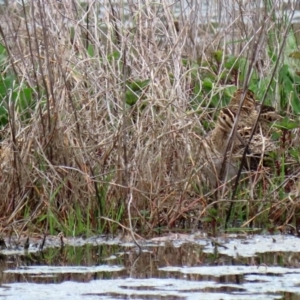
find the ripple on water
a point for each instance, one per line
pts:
(170, 267)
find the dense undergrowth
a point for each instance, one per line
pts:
(103, 108)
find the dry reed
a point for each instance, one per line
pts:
(92, 139)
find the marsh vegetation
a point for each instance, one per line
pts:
(104, 107)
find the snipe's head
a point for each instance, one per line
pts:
(224, 127)
(226, 120)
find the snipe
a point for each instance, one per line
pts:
(223, 144)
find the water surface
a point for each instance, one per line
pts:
(170, 267)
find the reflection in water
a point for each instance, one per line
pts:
(195, 270)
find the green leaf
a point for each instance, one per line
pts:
(25, 99)
(295, 104)
(286, 88)
(294, 153)
(218, 56)
(272, 55)
(138, 85)
(91, 50)
(2, 49)
(6, 83)
(3, 116)
(184, 61)
(231, 62)
(3, 55)
(275, 135)
(131, 97)
(114, 56)
(207, 83)
(286, 123)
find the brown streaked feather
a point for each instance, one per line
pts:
(246, 96)
(216, 145)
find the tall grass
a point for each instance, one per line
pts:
(104, 105)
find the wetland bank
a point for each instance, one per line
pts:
(106, 115)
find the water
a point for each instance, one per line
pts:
(171, 267)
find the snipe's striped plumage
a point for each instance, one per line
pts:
(224, 144)
(250, 110)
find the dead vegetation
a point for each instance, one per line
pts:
(104, 108)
